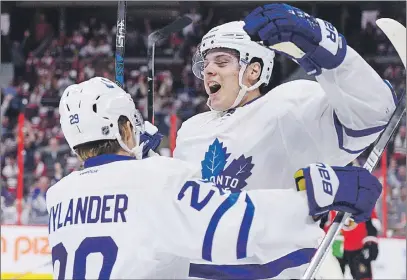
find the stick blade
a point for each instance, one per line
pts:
(396, 33)
(166, 31)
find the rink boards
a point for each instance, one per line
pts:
(25, 254)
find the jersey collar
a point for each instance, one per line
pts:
(104, 159)
(251, 101)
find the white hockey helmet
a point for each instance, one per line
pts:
(90, 112)
(231, 35)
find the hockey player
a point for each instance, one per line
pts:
(124, 217)
(359, 246)
(250, 138)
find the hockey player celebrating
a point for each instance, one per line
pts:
(251, 139)
(124, 217)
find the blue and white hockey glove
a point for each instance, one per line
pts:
(151, 138)
(311, 42)
(348, 189)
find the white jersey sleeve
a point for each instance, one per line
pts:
(199, 221)
(343, 113)
(361, 99)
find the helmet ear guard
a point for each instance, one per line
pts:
(232, 36)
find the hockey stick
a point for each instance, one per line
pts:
(120, 43)
(153, 38)
(397, 35)
(370, 164)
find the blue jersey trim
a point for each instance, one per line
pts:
(252, 271)
(361, 132)
(251, 101)
(241, 250)
(104, 159)
(210, 231)
(339, 134)
(393, 92)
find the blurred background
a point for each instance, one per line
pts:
(47, 46)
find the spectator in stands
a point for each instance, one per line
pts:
(30, 68)
(400, 148)
(40, 167)
(84, 29)
(135, 45)
(51, 96)
(104, 31)
(66, 79)
(29, 149)
(89, 49)
(10, 169)
(18, 57)
(401, 88)
(53, 155)
(11, 186)
(35, 98)
(397, 213)
(78, 39)
(38, 207)
(401, 174)
(72, 163)
(392, 179)
(4, 126)
(69, 48)
(89, 70)
(47, 60)
(93, 28)
(196, 18)
(58, 173)
(42, 28)
(55, 49)
(8, 208)
(132, 85)
(8, 96)
(40, 140)
(103, 49)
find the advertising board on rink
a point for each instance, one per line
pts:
(26, 254)
(25, 250)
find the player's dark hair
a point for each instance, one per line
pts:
(97, 148)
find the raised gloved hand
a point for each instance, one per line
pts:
(151, 139)
(348, 189)
(311, 42)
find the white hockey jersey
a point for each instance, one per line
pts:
(297, 123)
(263, 143)
(127, 219)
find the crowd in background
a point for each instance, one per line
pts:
(85, 51)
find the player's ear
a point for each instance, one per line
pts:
(253, 71)
(128, 132)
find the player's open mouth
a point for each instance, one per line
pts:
(214, 87)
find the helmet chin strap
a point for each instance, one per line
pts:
(242, 92)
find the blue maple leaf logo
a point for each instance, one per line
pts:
(215, 160)
(240, 169)
(234, 176)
